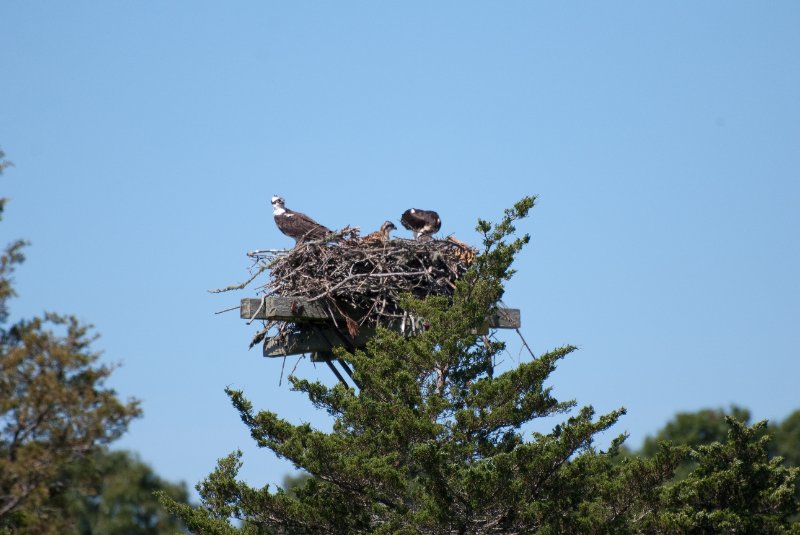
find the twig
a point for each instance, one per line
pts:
(259, 252)
(364, 275)
(360, 278)
(525, 343)
(280, 380)
(295, 364)
(259, 309)
(261, 270)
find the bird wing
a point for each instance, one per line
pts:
(411, 220)
(306, 226)
(308, 221)
(421, 220)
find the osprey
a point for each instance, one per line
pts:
(296, 225)
(382, 234)
(422, 223)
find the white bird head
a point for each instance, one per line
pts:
(277, 205)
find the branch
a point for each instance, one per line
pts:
(261, 270)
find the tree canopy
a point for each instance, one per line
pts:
(56, 416)
(433, 440)
(113, 493)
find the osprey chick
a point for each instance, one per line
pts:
(422, 223)
(296, 225)
(383, 233)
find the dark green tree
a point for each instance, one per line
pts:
(433, 440)
(736, 487)
(710, 426)
(787, 439)
(113, 493)
(695, 428)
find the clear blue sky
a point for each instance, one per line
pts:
(663, 141)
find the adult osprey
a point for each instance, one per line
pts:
(296, 225)
(422, 223)
(382, 234)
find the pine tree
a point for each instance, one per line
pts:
(735, 488)
(433, 439)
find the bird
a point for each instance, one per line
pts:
(296, 225)
(422, 223)
(383, 233)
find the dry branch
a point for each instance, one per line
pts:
(367, 278)
(360, 280)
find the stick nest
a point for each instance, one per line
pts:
(362, 279)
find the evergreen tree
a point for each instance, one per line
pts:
(735, 488)
(787, 439)
(112, 493)
(432, 441)
(694, 429)
(711, 426)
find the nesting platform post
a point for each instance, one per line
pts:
(322, 335)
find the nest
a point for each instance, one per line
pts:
(362, 280)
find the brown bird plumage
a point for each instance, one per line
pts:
(295, 224)
(422, 223)
(382, 234)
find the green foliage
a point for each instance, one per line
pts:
(695, 428)
(54, 410)
(292, 482)
(113, 493)
(710, 426)
(786, 443)
(735, 488)
(55, 416)
(10, 258)
(434, 441)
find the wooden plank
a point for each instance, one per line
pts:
(282, 309)
(301, 310)
(506, 318)
(322, 338)
(312, 341)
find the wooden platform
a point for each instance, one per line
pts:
(321, 335)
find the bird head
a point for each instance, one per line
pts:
(277, 202)
(386, 228)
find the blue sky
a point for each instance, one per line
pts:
(663, 142)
